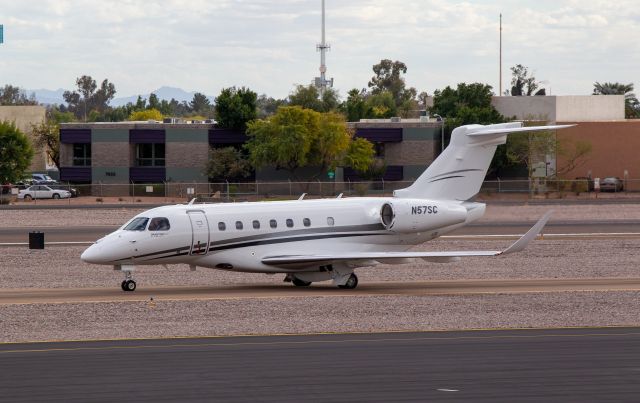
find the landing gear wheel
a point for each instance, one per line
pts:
(299, 283)
(351, 283)
(123, 285)
(129, 285)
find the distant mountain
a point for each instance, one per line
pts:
(45, 96)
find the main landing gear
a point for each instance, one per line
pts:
(351, 283)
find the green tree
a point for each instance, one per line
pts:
(388, 77)
(200, 105)
(306, 97)
(522, 83)
(267, 106)
(381, 105)
(294, 138)
(89, 97)
(15, 153)
(227, 163)
(235, 107)
(154, 102)
(146, 114)
(46, 135)
(355, 107)
(632, 106)
(10, 95)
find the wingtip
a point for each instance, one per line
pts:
(533, 232)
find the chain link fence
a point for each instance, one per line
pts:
(255, 191)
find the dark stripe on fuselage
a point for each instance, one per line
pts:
(274, 238)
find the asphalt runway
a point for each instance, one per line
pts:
(412, 288)
(92, 233)
(581, 365)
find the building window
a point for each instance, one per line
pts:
(222, 226)
(289, 222)
(239, 225)
(306, 222)
(82, 155)
(256, 224)
(273, 223)
(150, 155)
(379, 149)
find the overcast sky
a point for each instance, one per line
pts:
(269, 45)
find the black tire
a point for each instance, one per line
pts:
(123, 285)
(299, 283)
(28, 197)
(56, 196)
(351, 283)
(130, 285)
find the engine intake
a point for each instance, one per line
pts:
(418, 215)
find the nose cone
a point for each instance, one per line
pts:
(92, 255)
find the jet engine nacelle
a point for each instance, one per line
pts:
(419, 215)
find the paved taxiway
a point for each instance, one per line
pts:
(588, 364)
(414, 288)
(91, 233)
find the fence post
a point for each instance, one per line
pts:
(227, 189)
(133, 192)
(290, 193)
(382, 179)
(320, 188)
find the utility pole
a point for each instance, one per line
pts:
(500, 73)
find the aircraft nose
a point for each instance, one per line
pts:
(92, 255)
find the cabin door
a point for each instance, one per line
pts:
(200, 233)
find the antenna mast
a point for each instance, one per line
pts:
(321, 82)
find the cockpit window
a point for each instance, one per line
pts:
(159, 224)
(137, 224)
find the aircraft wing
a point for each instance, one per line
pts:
(517, 246)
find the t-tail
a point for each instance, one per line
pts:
(458, 173)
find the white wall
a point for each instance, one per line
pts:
(578, 108)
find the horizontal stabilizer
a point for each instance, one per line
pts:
(517, 246)
(488, 130)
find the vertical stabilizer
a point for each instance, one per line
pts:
(458, 173)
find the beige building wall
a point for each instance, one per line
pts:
(579, 108)
(24, 117)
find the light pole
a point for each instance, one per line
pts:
(441, 120)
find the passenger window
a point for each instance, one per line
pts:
(273, 223)
(137, 224)
(238, 224)
(256, 224)
(330, 221)
(222, 226)
(289, 222)
(159, 224)
(306, 222)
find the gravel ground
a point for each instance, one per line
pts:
(60, 267)
(78, 217)
(315, 314)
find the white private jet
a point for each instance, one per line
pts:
(318, 240)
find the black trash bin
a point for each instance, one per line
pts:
(36, 240)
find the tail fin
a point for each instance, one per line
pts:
(458, 173)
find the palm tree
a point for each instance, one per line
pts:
(632, 106)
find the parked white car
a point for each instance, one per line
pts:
(43, 192)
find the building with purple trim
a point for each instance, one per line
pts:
(150, 152)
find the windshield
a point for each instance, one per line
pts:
(137, 224)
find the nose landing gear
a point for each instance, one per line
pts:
(128, 284)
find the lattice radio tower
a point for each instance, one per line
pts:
(321, 82)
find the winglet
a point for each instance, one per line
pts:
(522, 243)
(192, 201)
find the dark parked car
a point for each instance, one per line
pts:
(611, 184)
